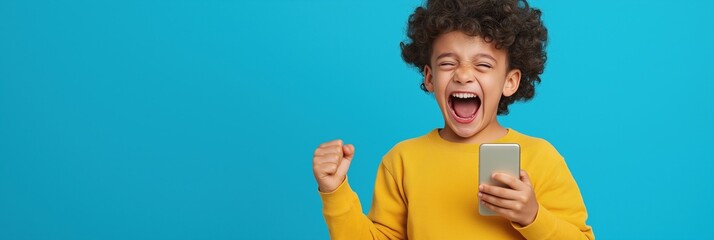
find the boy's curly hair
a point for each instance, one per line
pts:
(511, 24)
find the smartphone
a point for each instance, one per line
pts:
(497, 157)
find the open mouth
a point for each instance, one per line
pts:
(464, 106)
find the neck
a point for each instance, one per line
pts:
(491, 132)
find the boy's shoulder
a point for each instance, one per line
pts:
(417, 143)
(414, 146)
(531, 141)
(534, 146)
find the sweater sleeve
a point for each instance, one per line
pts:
(561, 213)
(387, 218)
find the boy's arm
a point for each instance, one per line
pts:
(387, 218)
(561, 212)
(341, 206)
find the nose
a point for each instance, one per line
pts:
(463, 74)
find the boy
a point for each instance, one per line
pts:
(476, 57)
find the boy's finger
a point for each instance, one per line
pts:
(330, 143)
(499, 191)
(322, 151)
(330, 158)
(525, 178)
(343, 167)
(509, 180)
(497, 201)
(327, 169)
(496, 209)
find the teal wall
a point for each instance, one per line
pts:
(198, 119)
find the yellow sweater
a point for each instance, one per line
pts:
(427, 188)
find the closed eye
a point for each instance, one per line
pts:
(447, 65)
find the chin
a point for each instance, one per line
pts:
(466, 131)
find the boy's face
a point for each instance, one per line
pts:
(468, 76)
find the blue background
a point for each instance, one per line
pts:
(198, 119)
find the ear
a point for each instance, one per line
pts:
(513, 79)
(428, 83)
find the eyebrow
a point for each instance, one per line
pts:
(451, 54)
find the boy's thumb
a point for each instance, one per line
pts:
(525, 178)
(349, 151)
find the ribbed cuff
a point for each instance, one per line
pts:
(338, 201)
(541, 228)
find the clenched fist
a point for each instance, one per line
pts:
(330, 164)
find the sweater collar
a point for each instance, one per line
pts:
(436, 139)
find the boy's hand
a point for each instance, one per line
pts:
(330, 164)
(517, 204)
